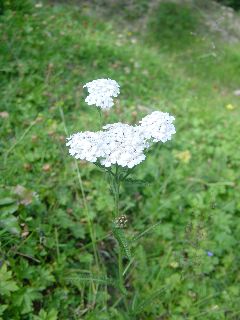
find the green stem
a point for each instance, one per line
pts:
(120, 268)
(116, 191)
(100, 117)
(57, 244)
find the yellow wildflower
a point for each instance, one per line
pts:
(230, 106)
(174, 264)
(183, 156)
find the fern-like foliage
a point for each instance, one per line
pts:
(86, 278)
(122, 241)
(138, 182)
(76, 279)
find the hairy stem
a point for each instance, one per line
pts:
(116, 192)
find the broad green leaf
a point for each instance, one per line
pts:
(3, 307)
(9, 209)
(44, 315)
(7, 284)
(24, 299)
(9, 223)
(6, 201)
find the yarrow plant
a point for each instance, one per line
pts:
(117, 148)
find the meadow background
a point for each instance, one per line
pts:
(178, 57)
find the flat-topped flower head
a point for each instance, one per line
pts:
(86, 145)
(158, 126)
(101, 93)
(120, 143)
(125, 145)
(117, 143)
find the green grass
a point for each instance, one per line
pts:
(173, 25)
(46, 57)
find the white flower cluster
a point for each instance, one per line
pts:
(101, 92)
(158, 126)
(121, 143)
(125, 145)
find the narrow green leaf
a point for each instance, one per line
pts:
(146, 231)
(149, 300)
(94, 278)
